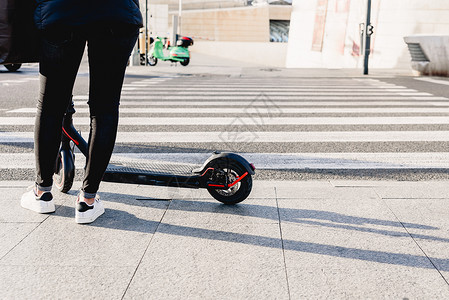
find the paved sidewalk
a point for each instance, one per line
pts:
(208, 65)
(289, 240)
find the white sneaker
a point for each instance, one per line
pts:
(43, 204)
(86, 213)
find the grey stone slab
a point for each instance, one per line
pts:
(64, 282)
(200, 211)
(364, 215)
(343, 263)
(417, 190)
(118, 238)
(373, 183)
(277, 188)
(12, 233)
(433, 238)
(242, 261)
(12, 211)
(295, 190)
(15, 184)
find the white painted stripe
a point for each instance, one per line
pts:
(22, 80)
(13, 81)
(261, 89)
(406, 102)
(226, 121)
(266, 160)
(256, 111)
(258, 136)
(271, 97)
(437, 81)
(280, 93)
(264, 85)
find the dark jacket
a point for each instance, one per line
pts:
(72, 13)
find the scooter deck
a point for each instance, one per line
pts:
(151, 168)
(162, 174)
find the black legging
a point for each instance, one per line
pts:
(109, 48)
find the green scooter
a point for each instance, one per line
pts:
(179, 53)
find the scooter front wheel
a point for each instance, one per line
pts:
(152, 61)
(239, 180)
(65, 171)
(185, 62)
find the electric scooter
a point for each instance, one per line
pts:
(226, 176)
(180, 53)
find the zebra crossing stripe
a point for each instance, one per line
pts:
(218, 98)
(444, 82)
(260, 110)
(276, 103)
(259, 90)
(258, 136)
(248, 121)
(230, 85)
(279, 93)
(262, 161)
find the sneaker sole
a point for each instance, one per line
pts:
(49, 207)
(90, 219)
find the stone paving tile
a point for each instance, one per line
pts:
(64, 282)
(322, 192)
(118, 238)
(253, 211)
(212, 261)
(413, 191)
(12, 233)
(375, 183)
(433, 239)
(337, 250)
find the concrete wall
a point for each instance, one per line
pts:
(245, 24)
(240, 34)
(264, 54)
(339, 34)
(436, 49)
(200, 4)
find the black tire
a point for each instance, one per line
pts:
(152, 61)
(238, 192)
(142, 59)
(65, 171)
(13, 67)
(185, 62)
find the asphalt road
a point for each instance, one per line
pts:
(322, 102)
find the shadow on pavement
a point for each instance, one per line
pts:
(122, 220)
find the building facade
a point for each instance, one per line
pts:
(326, 33)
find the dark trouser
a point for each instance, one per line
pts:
(109, 48)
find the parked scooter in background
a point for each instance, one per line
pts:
(179, 53)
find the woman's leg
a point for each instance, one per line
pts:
(62, 51)
(109, 50)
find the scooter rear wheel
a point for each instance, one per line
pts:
(65, 171)
(152, 61)
(230, 171)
